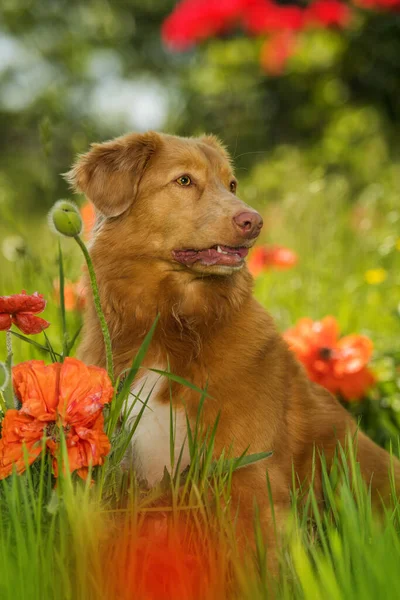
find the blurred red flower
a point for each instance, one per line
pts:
(21, 309)
(276, 51)
(68, 396)
(161, 560)
(339, 365)
(74, 294)
(266, 257)
(194, 20)
(327, 13)
(264, 16)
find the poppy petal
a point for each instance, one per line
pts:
(86, 446)
(5, 322)
(36, 386)
(34, 303)
(83, 392)
(97, 444)
(83, 473)
(29, 323)
(326, 332)
(355, 352)
(354, 386)
(20, 443)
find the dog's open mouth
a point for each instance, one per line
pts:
(216, 255)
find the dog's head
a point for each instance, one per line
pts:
(169, 199)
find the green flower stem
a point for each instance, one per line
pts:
(3, 405)
(8, 391)
(99, 310)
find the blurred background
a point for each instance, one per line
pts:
(305, 95)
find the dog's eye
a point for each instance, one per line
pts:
(184, 180)
(233, 186)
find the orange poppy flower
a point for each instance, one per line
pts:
(340, 365)
(263, 258)
(74, 294)
(68, 395)
(21, 309)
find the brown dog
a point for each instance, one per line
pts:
(171, 238)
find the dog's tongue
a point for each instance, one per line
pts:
(220, 255)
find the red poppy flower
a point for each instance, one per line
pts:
(21, 309)
(327, 13)
(70, 396)
(340, 365)
(194, 20)
(266, 257)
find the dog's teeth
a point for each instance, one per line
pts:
(219, 249)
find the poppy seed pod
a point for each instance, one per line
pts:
(65, 218)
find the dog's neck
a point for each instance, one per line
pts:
(191, 310)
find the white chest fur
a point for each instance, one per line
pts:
(151, 450)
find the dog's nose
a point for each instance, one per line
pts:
(248, 223)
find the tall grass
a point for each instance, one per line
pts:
(67, 542)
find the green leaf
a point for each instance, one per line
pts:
(71, 344)
(53, 354)
(244, 461)
(180, 380)
(36, 344)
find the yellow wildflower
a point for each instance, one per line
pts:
(375, 276)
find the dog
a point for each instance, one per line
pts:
(171, 240)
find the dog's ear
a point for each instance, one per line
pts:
(109, 174)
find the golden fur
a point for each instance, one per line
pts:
(211, 329)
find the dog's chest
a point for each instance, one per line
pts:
(151, 447)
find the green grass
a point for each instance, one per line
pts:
(61, 543)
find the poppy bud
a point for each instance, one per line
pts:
(4, 377)
(65, 218)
